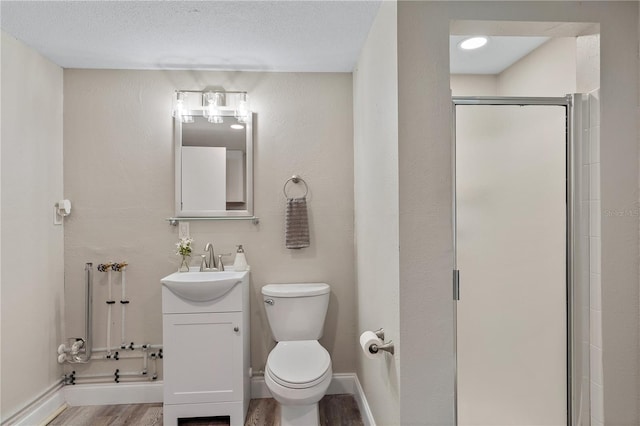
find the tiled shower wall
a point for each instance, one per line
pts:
(595, 209)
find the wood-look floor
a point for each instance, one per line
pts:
(335, 410)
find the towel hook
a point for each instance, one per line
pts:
(295, 179)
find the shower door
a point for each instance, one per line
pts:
(513, 273)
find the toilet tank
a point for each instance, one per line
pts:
(296, 311)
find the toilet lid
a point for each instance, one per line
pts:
(299, 363)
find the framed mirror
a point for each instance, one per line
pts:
(214, 165)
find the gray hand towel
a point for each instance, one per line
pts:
(296, 224)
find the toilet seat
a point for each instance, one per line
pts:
(299, 364)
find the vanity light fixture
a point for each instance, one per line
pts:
(237, 126)
(473, 43)
(211, 104)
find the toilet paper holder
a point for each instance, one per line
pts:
(387, 346)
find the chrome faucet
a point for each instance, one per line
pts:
(208, 264)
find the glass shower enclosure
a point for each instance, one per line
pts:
(521, 272)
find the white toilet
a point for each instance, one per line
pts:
(298, 370)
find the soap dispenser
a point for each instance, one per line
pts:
(240, 262)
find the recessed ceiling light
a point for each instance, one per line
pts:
(472, 43)
(237, 126)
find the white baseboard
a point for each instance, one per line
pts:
(113, 393)
(140, 393)
(363, 405)
(259, 388)
(341, 383)
(41, 412)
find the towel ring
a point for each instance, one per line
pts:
(295, 179)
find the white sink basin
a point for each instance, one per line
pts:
(202, 286)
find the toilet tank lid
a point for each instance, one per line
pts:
(295, 290)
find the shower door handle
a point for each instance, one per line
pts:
(456, 284)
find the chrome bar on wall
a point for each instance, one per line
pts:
(88, 341)
(499, 100)
(79, 349)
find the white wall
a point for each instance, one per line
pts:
(474, 84)
(549, 70)
(375, 107)
(32, 247)
(119, 171)
(425, 198)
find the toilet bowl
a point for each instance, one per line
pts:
(298, 370)
(298, 374)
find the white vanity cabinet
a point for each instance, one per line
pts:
(206, 355)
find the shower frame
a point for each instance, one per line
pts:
(572, 104)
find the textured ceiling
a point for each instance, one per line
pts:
(323, 36)
(320, 36)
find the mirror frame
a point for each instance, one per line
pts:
(248, 212)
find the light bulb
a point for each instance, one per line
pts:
(178, 104)
(213, 100)
(242, 109)
(473, 43)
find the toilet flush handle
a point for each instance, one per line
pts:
(269, 301)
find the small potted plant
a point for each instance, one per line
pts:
(184, 250)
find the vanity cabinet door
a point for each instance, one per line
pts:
(202, 357)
